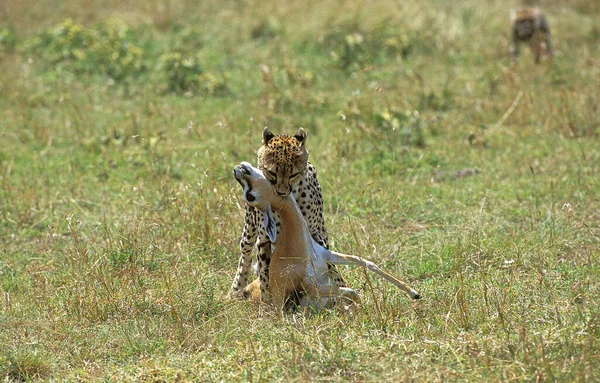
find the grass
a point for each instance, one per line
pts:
(120, 219)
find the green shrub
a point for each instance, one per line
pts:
(64, 45)
(356, 112)
(212, 84)
(23, 366)
(183, 74)
(299, 77)
(180, 73)
(7, 40)
(108, 48)
(407, 123)
(385, 125)
(115, 53)
(353, 48)
(266, 29)
(348, 48)
(187, 38)
(439, 101)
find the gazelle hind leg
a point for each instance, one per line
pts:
(319, 297)
(346, 259)
(336, 292)
(348, 301)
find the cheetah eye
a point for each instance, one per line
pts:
(272, 177)
(294, 176)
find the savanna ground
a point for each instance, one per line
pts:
(473, 179)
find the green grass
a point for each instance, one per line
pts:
(120, 220)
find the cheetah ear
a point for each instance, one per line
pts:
(301, 136)
(267, 135)
(270, 227)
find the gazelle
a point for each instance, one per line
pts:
(298, 262)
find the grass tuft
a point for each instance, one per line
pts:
(24, 366)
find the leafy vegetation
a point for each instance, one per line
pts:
(106, 48)
(472, 178)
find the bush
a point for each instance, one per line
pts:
(187, 38)
(348, 49)
(183, 74)
(407, 123)
(115, 52)
(180, 73)
(390, 125)
(107, 49)
(7, 40)
(353, 48)
(266, 29)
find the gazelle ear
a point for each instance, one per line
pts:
(300, 136)
(269, 223)
(267, 135)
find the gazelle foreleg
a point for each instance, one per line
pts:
(346, 259)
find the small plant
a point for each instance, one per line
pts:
(10, 280)
(180, 73)
(115, 52)
(183, 74)
(356, 111)
(65, 45)
(353, 48)
(399, 45)
(122, 257)
(581, 115)
(212, 84)
(187, 39)
(296, 76)
(407, 123)
(7, 40)
(266, 29)
(23, 367)
(349, 51)
(440, 101)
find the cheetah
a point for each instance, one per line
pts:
(530, 25)
(284, 161)
(298, 263)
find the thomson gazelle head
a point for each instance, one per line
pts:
(257, 188)
(258, 193)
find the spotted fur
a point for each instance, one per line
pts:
(284, 161)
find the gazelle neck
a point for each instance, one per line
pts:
(294, 237)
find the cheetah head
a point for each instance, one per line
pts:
(283, 159)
